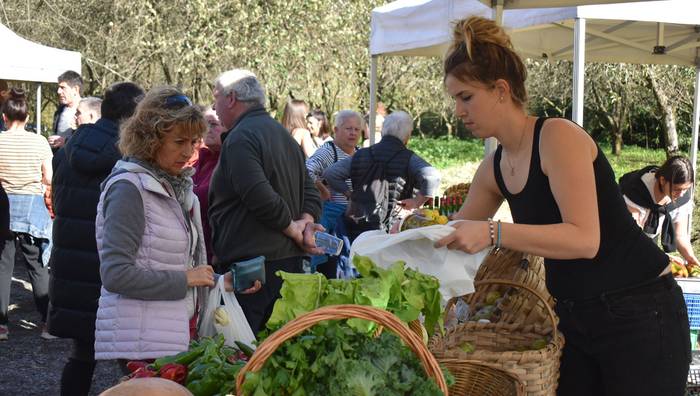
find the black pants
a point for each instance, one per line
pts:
(23, 249)
(354, 229)
(630, 342)
(257, 307)
(77, 373)
(330, 268)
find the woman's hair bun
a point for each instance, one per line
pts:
(17, 94)
(476, 31)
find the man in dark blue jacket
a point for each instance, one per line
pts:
(74, 289)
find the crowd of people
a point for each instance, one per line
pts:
(140, 201)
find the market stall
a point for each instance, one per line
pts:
(34, 62)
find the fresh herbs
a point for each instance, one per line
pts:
(335, 359)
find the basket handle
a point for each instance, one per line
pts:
(346, 311)
(550, 311)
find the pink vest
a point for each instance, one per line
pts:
(142, 329)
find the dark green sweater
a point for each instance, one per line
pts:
(258, 188)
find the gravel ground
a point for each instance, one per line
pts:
(30, 365)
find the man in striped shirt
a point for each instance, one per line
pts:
(348, 129)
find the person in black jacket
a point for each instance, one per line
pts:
(74, 289)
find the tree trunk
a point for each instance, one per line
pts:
(669, 124)
(617, 142)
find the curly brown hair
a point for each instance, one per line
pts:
(161, 110)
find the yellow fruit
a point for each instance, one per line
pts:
(221, 317)
(428, 214)
(538, 344)
(492, 297)
(442, 219)
(467, 347)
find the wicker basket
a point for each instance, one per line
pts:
(334, 312)
(521, 268)
(497, 345)
(477, 379)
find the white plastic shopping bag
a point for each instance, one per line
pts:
(454, 269)
(223, 315)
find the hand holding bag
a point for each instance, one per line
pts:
(223, 315)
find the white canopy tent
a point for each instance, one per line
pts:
(30, 61)
(655, 32)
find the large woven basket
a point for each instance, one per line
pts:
(521, 268)
(477, 379)
(505, 346)
(335, 312)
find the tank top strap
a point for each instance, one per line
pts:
(497, 171)
(535, 157)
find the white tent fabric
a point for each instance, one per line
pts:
(31, 61)
(624, 32)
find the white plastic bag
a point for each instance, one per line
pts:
(237, 328)
(454, 269)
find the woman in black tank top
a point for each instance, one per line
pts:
(623, 315)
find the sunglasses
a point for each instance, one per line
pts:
(177, 101)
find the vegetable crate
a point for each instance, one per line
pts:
(693, 387)
(692, 301)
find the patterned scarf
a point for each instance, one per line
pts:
(182, 184)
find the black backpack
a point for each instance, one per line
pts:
(369, 200)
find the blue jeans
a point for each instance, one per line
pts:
(329, 218)
(629, 342)
(28, 215)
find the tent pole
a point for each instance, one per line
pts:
(497, 11)
(38, 108)
(372, 97)
(579, 66)
(490, 144)
(694, 141)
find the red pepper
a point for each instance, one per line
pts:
(174, 372)
(134, 365)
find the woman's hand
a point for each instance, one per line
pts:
(202, 275)
(469, 236)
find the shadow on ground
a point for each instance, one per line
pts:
(30, 365)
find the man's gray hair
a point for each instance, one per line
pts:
(243, 84)
(93, 103)
(398, 124)
(344, 115)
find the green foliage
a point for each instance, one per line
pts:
(317, 50)
(403, 292)
(335, 359)
(444, 152)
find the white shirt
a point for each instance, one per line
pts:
(65, 122)
(649, 180)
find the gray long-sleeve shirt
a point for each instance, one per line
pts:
(124, 219)
(427, 177)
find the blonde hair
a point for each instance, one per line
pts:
(161, 110)
(482, 51)
(294, 116)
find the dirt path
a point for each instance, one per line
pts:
(30, 365)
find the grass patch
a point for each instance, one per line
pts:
(445, 152)
(633, 158)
